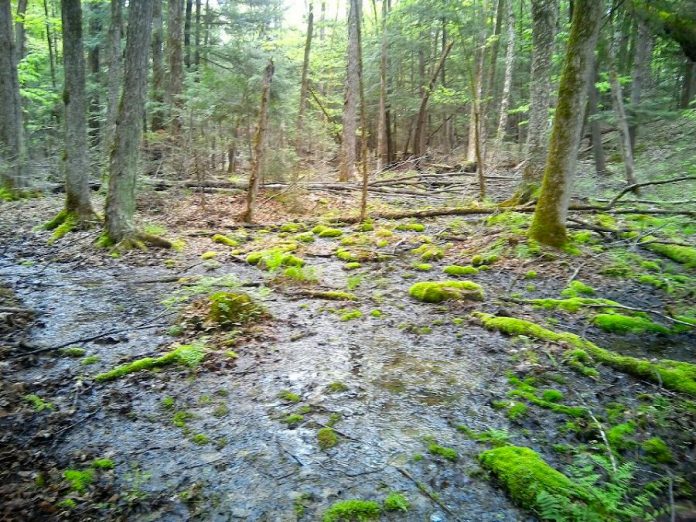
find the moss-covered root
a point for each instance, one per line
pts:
(186, 354)
(67, 220)
(135, 241)
(683, 254)
(353, 510)
(675, 375)
(524, 475)
(438, 291)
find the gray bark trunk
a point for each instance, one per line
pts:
(640, 74)
(11, 133)
(595, 128)
(75, 158)
(348, 169)
(299, 138)
(175, 59)
(382, 125)
(544, 19)
(123, 165)
(548, 225)
(507, 84)
(20, 34)
(114, 78)
(158, 116)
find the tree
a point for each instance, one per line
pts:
(158, 116)
(20, 35)
(544, 19)
(175, 60)
(304, 81)
(123, 164)
(11, 131)
(114, 77)
(509, 63)
(548, 224)
(348, 169)
(383, 122)
(78, 210)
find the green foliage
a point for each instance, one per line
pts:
(336, 387)
(272, 259)
(289, 396)
(103, 464)
(38, 403)
(204, 285)
(438, 291)
(293, 419)
(349, 315)
(657, 451)
(549, 399)
(572, 304)
(79, 480)
(681, 254)
(428, 252)
(444, 452)
(623, 324)
(353, 511)
(73, 351)
(396, 502)
(577, 288)
(324, 231)
(302, 274)
(200, 439)
(327, 438)
(410, 227)
(233, 309)
(619, 436)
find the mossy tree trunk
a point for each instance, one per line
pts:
(259, 145)
(75, 155)
(544, 20)
(548, 225)
(123, 164)
(348, 168)
(11, 132)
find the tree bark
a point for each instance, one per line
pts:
(363, 121)
(75, 155)
(20, 33)
(94, 66)
(595, 128)
(544, 19)
(639, 75)
(114, 78)
(123, 165)
(158, 114)
(49, 42)
(11, 131)
(197, 37)
(426, 91)
(548, 225)
(348, 170)
(187, 34)
(304, 83)
(688, 84)
(507, 83)
(175, 60)
(382, 124)
(259, 145)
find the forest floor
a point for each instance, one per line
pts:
(322, 397)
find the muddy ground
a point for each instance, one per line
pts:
(410, 374)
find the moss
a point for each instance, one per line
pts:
(571, 304)
(444, 452)
(224, 240)
(526, 391)
(181, 418)
(301, 274)
(90, 359)
(221, 410)
(293, 227)
(324, 231)
(515, 221)
(335, 295)
(232, 308)
(293, 419)
(657, 451)
(675, 375)
(552, 395)
(352, 265)
(273, 258)
(619, 436)
(186, 354)
(577, 288)
(79, 480)
(38, 403)
(396, 502)
(208, 255)
(530, 275)
(623, 324)
(484, 261)
(200, 439)
(438, 291)
(383, 232)
(376, 313)
(67, 503)
(349, 315)
(524, 475)
(289, 396)
(73, 351)
(423, 267)
(336, 387)
(353, 511)
(428, 252)
(411, 227)
(685, 255)
(103, 464)
(457, 270)
(167, 403)
(327, 438)
(305, 237)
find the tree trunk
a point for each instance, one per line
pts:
(75, 159)
(114, 78)
(640, 74)
(507, 84)
(20, 33)
(187, 34)
(348, 169)
(197, 38)
(158, 115)
(11, 131)
(488, 90)
(426, 90)
(123, 165)
(548, 225)
(94, 61)
(299, 134)
(595, 128)
(688, 84)
(259, 145)
(544, 18)
(49, 42)
(382, 123)
(363, 120)
(175, 60)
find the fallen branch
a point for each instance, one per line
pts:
(632, 188)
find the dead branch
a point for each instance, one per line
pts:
(632, 188)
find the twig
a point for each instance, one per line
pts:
(631, 188)
(604, 438)
(425, 491)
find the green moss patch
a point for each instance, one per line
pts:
(438, 291)
(232, 309)
(444, 452)
(186, 354)
(572, 304)
(657, 451)
(549, 399)
(224, 240)
(577, 289)
(457, 270)
(685, 255)
(79, 480)
(675, 375)
(624, 324)
(324, 231)
(353, 511)
(410, 227)
(273, 258)
(327, 438)
(429, 252)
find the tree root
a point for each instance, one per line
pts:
(68, 221)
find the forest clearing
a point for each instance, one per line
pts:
(348, 261)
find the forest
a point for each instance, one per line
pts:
(348, 260)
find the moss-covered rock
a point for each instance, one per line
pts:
(353, 511)
(410, 227)
(457, 270)
(327, 438)
(186, 354)
(232, 309)
(438, 291)
(576, 289)
(623, 324)
(657, 451)
(324, 231)
(273, 258)
(685, 255)
(224, 240)
(428, 252)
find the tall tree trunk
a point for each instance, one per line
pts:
(348, 169)
(123, 164)
(548, 225)
(94, 61)
(158, 113)
(11, 131)
(620, 112)
(259, 145)
(187, 34)
(426, 91)
(640, 74)
(382, 124)
(197, 37)
(507, 84)
(363, 120)
(595, 127)
(299, 134)
(544, 18)
(75, 159)
(488, 91)
(20, 33)
(688, 89)
(49, 42)
(175, 60)
(114, 77)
